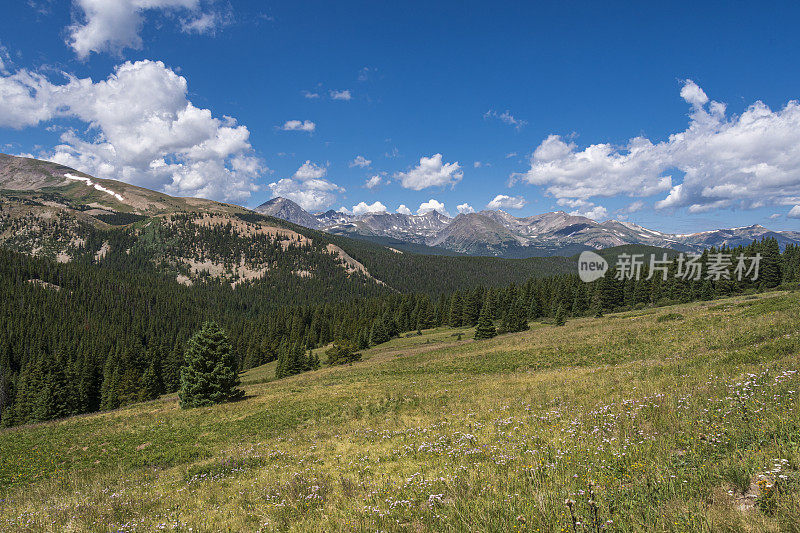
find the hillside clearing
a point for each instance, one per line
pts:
(677, 424)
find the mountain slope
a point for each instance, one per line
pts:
(289, 211)
(60, 186)
(50, 210)
(476, 233)
(448, 428)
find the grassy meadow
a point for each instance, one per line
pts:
(684, 418)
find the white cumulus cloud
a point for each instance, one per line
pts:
(431, 172)
(363, 208)
(113, 25)
(432, 205)
(794, 212)
(299, 125)
(308, 187)
(693, 94)
(403, 210)
(503, 201)
(585, 208)
(311, 194)
(139, 127)
(465, 209)
(309, 170)
(633, 207)
(341, 95)
(360, 161)
(507, 118)
(727, 161)
(597, 212)
(373, 182)
(207, 23)
(5, 60)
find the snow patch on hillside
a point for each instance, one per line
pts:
(97, 186)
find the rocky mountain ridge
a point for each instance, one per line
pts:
(497, 233)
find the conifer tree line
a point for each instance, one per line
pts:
(98, 338)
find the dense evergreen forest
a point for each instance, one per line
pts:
(80, 337)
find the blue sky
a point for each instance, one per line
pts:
(530, 107)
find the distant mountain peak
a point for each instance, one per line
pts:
(434, 214)
(280, 201)
(286, 209)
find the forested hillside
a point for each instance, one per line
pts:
(101, 287)
(81, 336)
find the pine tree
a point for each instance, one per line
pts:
(471, 308)
(171, 368)
(294, 360)
(516, 318)
(150, 387)
(485, 328)
(770, 268)
(707, 291)
(534, 311)
(378, 335)
(6, 392)
(597, 306)
(342, 353)
(108, 391)
(209, 375)
(281, 370)
(312, 361)
(561, 316)
(611, 293)
(455, 317)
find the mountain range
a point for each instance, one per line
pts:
(57, 213)
(52, 210)
(497, 233)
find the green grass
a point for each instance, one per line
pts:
(676, 419)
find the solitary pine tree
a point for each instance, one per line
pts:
(209, 375)
(485, 329)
